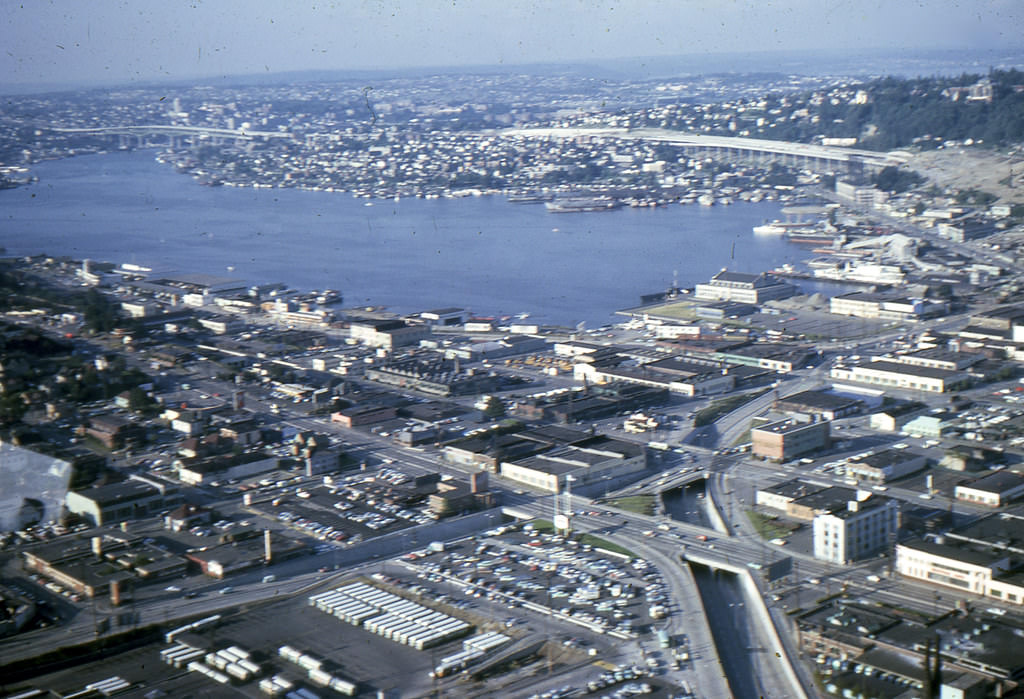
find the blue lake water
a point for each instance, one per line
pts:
(479, 253)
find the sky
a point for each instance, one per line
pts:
(61, 42)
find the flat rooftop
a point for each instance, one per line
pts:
(925, 372)
(786, 426)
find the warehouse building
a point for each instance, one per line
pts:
(994, 490)
(387, 334)
(906, 376)
(788, 439)
(885, 465)
(824, 405)
(743, 288)
(588, 462)
(134, 498)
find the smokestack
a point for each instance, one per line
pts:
(97, 545)
(115, 593)
(267, 552)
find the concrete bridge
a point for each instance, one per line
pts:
(755, 150)
(176, 134)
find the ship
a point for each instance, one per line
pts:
(529, 198)
(580, 204)
(706, 200)
(815, 237)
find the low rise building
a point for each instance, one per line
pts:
(109, 561)
(687, 376)
(939, 358)
(994, 490)
(588, 462)
(885, 465)
(743, 288)
(507, 346)
(781, 358)
(905, 376)
(788, 439)
(444, 317)
(780, 495)
(454, 497)
(819, 501)
(885, 306)
(933, 426)
(134, 498)
(894, 417)
(200, 471)
(364, 415)
(438, 377)
(985, 557)
(388, 334)
(246, 550)
(821, 404)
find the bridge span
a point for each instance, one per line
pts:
(758, 150)
(174, 132)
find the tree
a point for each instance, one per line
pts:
(138, 400)
(494, 408)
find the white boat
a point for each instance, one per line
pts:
(706, 200)
(769, 229)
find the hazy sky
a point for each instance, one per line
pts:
(114, 41)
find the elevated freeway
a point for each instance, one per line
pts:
(805, 155)
(174, 132)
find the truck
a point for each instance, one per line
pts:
(664, 639)
(436, 546)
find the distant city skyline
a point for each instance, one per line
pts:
(63, 43)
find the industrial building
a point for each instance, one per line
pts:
(781, 358)
(684, 375)
(884, 306)
(885, 465)
(743, 288)
(592, 403)
(788, 439)
(109, 561)
(445, 317)
(994, 490)
(906, 376)
(438, 377)
(246, 549)
(387, 334)
(507, 346)
(781, 495)
(588, 462)
(821, 404)
(984, 557)
(134, 498)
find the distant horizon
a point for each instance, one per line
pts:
(967, 60)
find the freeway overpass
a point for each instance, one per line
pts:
(732, 554)
(758, 150)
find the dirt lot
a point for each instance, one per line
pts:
(975, 168)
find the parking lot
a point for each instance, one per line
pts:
(349, 509)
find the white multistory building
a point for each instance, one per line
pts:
(866, 526)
